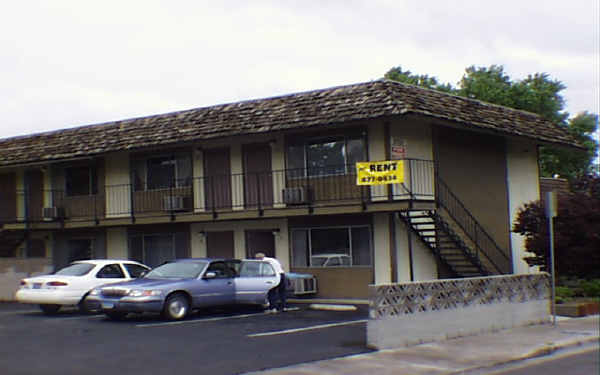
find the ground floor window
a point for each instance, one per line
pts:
(80, 249)
(155, 249)
(331, 246)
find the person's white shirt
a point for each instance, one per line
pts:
(275, 264)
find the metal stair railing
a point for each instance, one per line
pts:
(485, 246)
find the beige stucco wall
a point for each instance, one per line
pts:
(19, 176)
(117, 178)
(198, 174)
(381, 248)
(278, 167)
(376, 139)
(116, 243)
(416, 135)
(12, 270)
(282, 251)
(237, 186)
(523, 187)
(423, 261)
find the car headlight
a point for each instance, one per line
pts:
(144, 293)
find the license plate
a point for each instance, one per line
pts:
(37, 285)
(108, 305)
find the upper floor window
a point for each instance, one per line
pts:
(81, 181)
(325, 156)
(162, 172)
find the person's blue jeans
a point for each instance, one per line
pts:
(277, 295)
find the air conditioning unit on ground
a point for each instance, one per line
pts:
(295, 195)
(173, 203)
(303, 284)
(53, 213)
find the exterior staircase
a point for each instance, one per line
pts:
(445, 243)
(456, 238)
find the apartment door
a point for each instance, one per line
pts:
(217, 180)
(219, 244)
(258, 177)
(8, 201)
(260, 241)
(34, 182)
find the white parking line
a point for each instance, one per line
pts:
(180, 322)
(60, 319)
(294, 330)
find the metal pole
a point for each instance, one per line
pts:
(551, 211)
(553, 273)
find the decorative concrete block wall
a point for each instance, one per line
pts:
(413, 313)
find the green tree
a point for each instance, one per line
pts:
(537, 93)
(422, 80)
(576, 231)
(569, 164)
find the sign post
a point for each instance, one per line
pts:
(551, 208)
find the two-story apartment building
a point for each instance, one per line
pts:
(278, 175)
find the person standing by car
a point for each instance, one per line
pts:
(279, 291)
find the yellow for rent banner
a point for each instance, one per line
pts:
(380, 172)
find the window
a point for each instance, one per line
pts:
(256, 269)
(156, 249)
(77, 269)
(111, 271)
(80, 249)
(221, 270)
(135, 270)
(324, 156)
(331, 247)
(162, 172)
(81, 181)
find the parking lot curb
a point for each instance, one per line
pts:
(331, 307)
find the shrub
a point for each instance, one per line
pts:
(590, 288)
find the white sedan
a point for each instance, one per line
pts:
(71, 285)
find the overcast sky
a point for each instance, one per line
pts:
(67, 63)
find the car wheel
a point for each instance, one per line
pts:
(116, 315)
(176, 307)
(50, 309)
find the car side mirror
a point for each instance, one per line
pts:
(210, 275)
(142, 274)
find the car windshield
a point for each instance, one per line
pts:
(76, 269)
(177, 270)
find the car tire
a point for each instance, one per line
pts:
(176, 307)
(116, 315)
(50, 309)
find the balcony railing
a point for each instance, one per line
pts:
(232, 192)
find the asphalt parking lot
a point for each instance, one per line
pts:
(218, 341)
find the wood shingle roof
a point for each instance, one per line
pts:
(320, 107)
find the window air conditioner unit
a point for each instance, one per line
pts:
(295, 195)
(173, 203)
(53, 213)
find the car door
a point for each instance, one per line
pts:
(215, 290)
(255, 280)
(108, 274)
